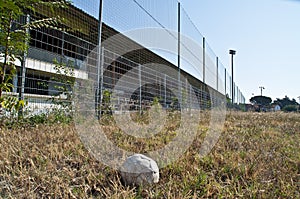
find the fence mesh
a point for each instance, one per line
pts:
(141, 39)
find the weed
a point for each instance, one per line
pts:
(257, 156)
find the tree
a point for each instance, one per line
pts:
(285, 102)
(290, 108)
(261, 101)
(14, 34)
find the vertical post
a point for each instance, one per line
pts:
(140, 88)
(190, 97)
(100, 22)
(178, 53)
(299, 103)
(225, 82)
(113, 65)
(15, 83)
(261, 88)
(232, 94)
(186, 94)
(217, 63)
(98, 89)
(237, 95)
(203, 54)
(62, 43)
(23, 68)
(165, 90)
(100, 94)
(100, 52)
(232, 52)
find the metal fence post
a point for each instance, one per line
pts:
(190, 97)
(203, 47)
(140, 88)
(101, 77)
(217, 76)
(100, 58)
(165, 91)
(178, 56)
(225, 82)
(23, 69)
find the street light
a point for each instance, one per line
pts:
(232, 52)
(261, 88)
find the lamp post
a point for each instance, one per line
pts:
(261, 88)
(232, 52)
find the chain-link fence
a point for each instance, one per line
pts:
(152, 44)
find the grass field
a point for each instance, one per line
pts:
(257, 156)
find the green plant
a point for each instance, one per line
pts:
(174, 104)
(106, 107)
(262, 102)
(11, 103)
(156, 101)
(14, 39)
(14, 35)
(285, 102)
(64, 80)
(290, 108)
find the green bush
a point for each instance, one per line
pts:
(290, 108)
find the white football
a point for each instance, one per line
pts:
(139, 169)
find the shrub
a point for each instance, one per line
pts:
(290, 108)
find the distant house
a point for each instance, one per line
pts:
(275, 107)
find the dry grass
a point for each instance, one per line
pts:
(257, 156)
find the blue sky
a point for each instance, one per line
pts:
(266, 36)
